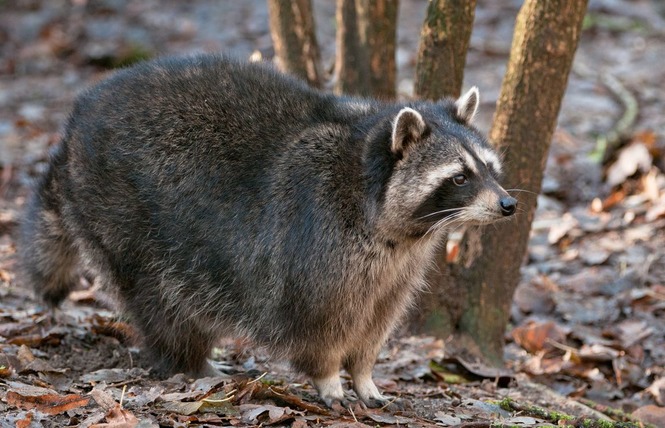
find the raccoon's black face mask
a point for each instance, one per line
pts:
(447, 173)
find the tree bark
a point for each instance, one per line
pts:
(544, 43)
(444, 41)
(366, 39)
(377, 27)
(294, 38)
(351, 67)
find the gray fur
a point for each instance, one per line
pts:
(223, 198)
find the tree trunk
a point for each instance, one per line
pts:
(378, 32)
(544, 43)
(444, 41)
(366, 38)
(351, 66)
(294, 38)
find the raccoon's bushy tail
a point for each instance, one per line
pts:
(47, 256)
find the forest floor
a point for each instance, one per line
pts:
(587, 334)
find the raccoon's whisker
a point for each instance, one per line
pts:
(447, 220)
(440, 212)
(522, 190)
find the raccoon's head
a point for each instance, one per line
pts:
(445, 173)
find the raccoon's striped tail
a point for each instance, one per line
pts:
(47, 256)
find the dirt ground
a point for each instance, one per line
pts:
(587, 334)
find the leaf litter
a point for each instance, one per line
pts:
(587, 324)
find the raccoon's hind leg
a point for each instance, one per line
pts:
(176, 343)
(47, 256)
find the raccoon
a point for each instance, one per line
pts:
(217, 198)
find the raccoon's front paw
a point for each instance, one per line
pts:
(372, 398)
(331, 392)
(389, 403)
(338, 404)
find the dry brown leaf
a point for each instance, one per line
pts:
(5, 276)
(282, 395)
(5, 371)
(657, 389)
(122, 331)
(534, 336)
(630, 332)
(452, 252)
(25, 422)
(51, 404)
(615, 198)
(103, 399)
(24, 355)
(598, 353)
(266, 414)
(182, 407)
(36, 340)
(389, 419)
(299, 423)
(118, 417)
(631, 159)
(650, 414)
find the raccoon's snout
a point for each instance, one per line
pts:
(508, 205)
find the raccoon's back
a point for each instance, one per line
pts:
(202, 102)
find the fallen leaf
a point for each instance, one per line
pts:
(182, 407)
(630, 332)
(51, 404)
(650, 414)
(534, 336)
(631, 159)
(103, 399)
(447, 420)
(36, 340)
(266, 414)
(118, 417)
(113, 375)
(122, 331)
(522, 420)
(349, 425)
(389, 419)
(657, 389)
(479, 368)
(25, 422)
(561, 228)
(5, 371)
(598, 353)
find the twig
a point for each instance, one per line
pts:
(258, 378)
(229, 396)
(350, 409)
(125, 382)
(622, 127)
(122, 395)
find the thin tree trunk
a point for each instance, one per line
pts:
(366, 39)
(378, 32)
(351, 66)
(294, 38)
(444, 41)
(544, 43)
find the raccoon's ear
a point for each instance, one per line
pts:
(467, 105)
(408, 127)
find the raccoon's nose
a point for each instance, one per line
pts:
(508, 205)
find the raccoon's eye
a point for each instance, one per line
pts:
(460, 180)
